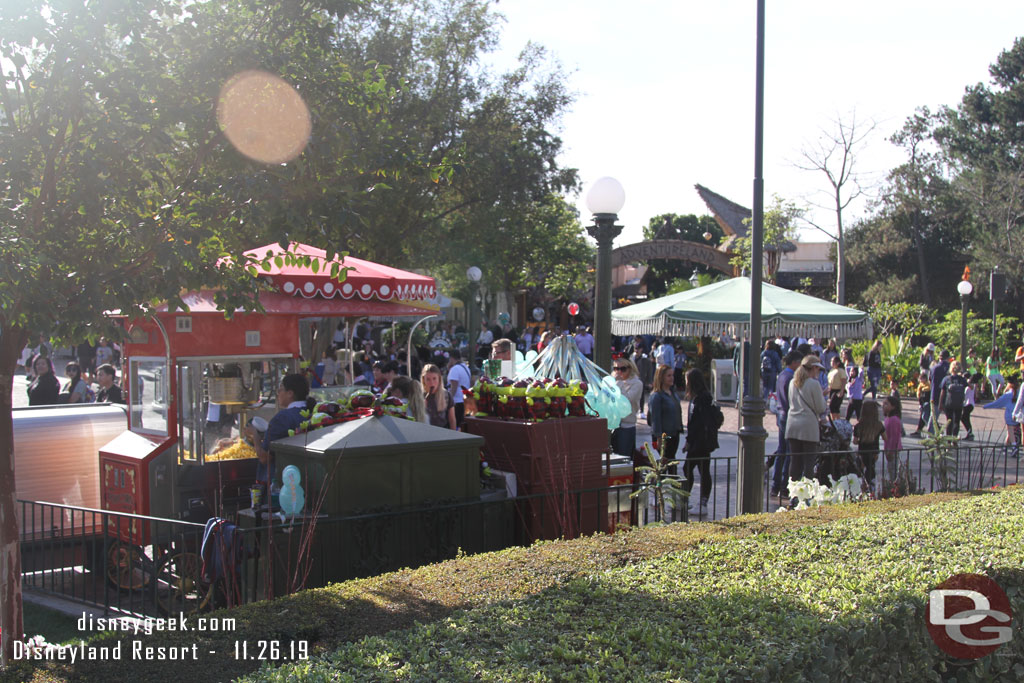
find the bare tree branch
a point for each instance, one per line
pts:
(833, 155)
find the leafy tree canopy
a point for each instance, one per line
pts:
(779, 228)
(983, 139)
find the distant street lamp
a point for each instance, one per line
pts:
(473, 274)
(694, 280)
(604, 200)
(965, 289)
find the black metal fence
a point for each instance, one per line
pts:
(126, 564)
(137, 565)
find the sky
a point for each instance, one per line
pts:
(665, 89)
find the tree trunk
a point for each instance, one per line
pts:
(12, 341)
(840, 256)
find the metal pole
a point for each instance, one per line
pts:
(752, 434)
(963, 329)
(993, 324)
(604, 231)
(992, 293)
(473, 323)
(408, 348)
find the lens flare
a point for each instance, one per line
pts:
(263, 117)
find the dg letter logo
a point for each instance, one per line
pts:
(969, 616)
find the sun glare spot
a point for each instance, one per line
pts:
(263, 117)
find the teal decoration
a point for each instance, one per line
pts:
(292, 497)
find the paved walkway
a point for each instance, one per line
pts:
(988, 424)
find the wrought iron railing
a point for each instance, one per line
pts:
(137, 565)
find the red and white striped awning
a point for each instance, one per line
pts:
(365, 281)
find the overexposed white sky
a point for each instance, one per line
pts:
(666, 87)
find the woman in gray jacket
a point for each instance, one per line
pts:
(806, 406)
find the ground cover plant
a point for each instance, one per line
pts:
(352, 610)
(845, 601)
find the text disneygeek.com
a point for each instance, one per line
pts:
(135, 649)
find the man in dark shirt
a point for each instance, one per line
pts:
(935, 376)
(109, 392)
(779, 478)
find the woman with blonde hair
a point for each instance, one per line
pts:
(408, 389)
(952, 396)
(625, 374)
(440, 408)
(806, 406)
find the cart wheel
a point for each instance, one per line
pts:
(179, 585)
(128, 568)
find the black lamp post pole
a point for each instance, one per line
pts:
(473, 322)
(750, 472)
(604, 231)
(963, 328)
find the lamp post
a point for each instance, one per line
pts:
(752, 434)
(964, 288)
(473, 274)
(604, 200)
(694, 280)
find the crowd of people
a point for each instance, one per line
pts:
(91, 377)
(698, 437)
(806, 391)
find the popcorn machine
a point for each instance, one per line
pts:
(195, 378)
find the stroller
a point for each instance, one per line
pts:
(836, 458)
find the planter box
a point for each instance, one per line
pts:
(551, 458)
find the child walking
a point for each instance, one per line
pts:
(965, 416)
(855, 389)
(866, 434)
(924, 401)
(1007, 402)
(893, 434)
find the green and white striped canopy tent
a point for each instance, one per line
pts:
(724, 308)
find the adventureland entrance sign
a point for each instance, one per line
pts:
(680, 250)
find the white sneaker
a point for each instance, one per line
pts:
(700, 509)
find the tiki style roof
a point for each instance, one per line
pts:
(730, 216)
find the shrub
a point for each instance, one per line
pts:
(364, 608)
(842, 602)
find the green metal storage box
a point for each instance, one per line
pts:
(382, 462)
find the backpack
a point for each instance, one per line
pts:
(766, 364)
(718, 416)
(956, 390)
(717, 419)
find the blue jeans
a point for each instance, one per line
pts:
(624, 440)
(874, 377)
(779, 480)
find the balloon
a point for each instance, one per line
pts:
(504, 318)
(538, 314)
(574, 308)
(292, 498)
(291, 475)
(708, 236)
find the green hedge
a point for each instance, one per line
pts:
(840, 602)
(349, 611)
